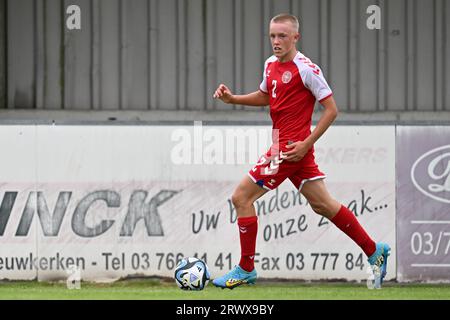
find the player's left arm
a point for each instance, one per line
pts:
(328, 116)
(300, 148)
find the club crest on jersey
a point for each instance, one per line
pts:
(286, 77)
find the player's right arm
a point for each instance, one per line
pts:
(256, 99)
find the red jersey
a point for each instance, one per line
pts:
(293, 88)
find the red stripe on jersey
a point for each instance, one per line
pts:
(263, 91)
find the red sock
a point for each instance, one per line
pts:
(248, 228)
(347, 222)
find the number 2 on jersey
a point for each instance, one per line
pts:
(274, 87)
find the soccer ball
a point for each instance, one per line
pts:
(192, 274)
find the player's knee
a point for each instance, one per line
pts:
(239, 201)
(326, 209)
(318, 208)
(321, 208)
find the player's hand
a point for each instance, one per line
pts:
(223, 93)
(297, 152)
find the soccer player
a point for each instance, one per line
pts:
(291, 85)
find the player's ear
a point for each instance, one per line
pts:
(297, 36)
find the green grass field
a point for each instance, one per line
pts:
(162, 289)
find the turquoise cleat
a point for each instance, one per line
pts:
(235, 278)
(378, 261)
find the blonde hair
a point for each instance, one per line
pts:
(283, 17)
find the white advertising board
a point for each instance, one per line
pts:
(132, 200)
